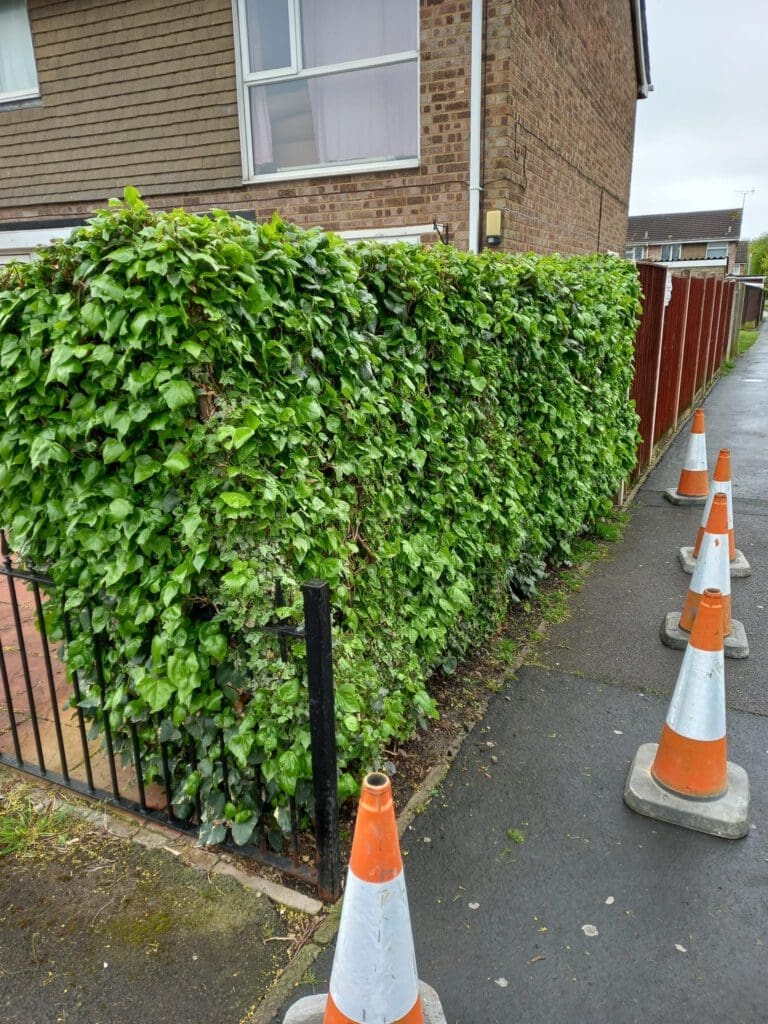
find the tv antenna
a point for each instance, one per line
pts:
(744, 192)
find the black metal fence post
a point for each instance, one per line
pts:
(322, 725)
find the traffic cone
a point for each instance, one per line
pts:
(374, 978)
(686, 777)
(692, 486)
(721, 484)
(711, 571)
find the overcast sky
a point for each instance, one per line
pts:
(702, 134)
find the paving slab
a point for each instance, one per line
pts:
(104, 931)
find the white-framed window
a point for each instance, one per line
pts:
(20, 244)
(328, 86)
(635, 252)
(717, 250)
(671, 251)
(18, 74)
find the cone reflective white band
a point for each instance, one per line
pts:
(712, 569)
(374, 953)
(696, 454)
(695, 712)
(718, 487)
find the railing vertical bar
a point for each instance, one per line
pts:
(322, 725)
(167, 779)
(198, 804)
(137, 766)
(260, 830)
(51, 680)
(9, 705)
(78, 698)
(99, 668)
(6, 556)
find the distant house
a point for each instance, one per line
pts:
(508, 123)
(703, 242)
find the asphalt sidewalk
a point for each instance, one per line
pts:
(535, 894)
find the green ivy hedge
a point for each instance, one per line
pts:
(196, 407)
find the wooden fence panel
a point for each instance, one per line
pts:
(672, 348)
(678, 350)
(693, 333)
(705, 341)
(647, 340)
(717, 330)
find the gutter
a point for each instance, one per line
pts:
(642, 63)
(475, 124)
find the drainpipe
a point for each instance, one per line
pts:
(475, 124)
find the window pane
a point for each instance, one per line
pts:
(269, 34)
(358, 116)
(335, 31)
(715, 251)
(17, 58)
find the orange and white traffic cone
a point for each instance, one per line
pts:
(686, 778)
(374, 976)
(711, 571)
(693, 485)
(721, 484)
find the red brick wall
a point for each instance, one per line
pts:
(160, 113)
(559, 122)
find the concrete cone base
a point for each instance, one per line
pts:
(310, 1009)
(734, 646)
(726, 817)
(739, 565)
(671, 494)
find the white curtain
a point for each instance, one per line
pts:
(261, 128)
(17, 57)
(369, 113)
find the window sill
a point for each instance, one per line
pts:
(337, 170)
(20, 102)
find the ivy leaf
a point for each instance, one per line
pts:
(105, 287)
(241, 745)
(243, 830)
(156, 691)
(177, 393)
(236, 499)
(44, 450)
(112, 450)
(211, 834)
(177, 462)
(145, 467)
(120, 508)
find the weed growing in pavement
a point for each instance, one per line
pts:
(746, 340)
(29, 828)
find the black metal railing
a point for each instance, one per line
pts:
(45, 721)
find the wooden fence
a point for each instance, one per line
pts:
(686, 332)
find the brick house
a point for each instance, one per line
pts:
(692, 244)
(508, 122)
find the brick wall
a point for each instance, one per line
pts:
(150, 99)
(559, 120)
